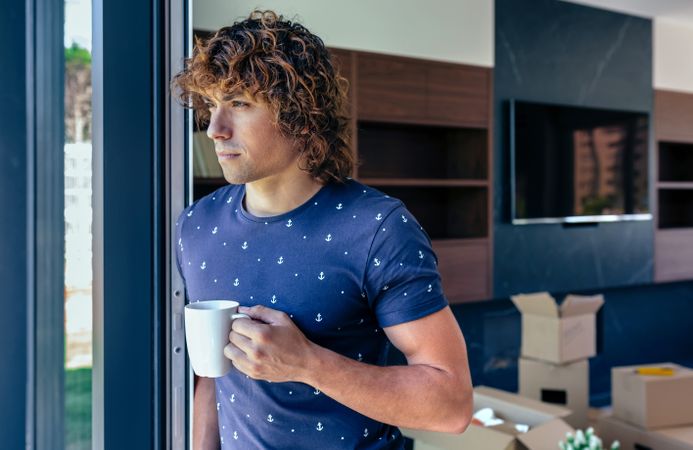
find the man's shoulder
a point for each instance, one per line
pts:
(367, 198)
(210, 204)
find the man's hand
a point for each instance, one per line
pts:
(269, 347)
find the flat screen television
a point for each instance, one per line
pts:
(576, 164)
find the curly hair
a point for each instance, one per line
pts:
(289, 68)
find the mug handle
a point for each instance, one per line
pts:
(239, 316)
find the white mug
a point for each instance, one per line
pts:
(207, 328)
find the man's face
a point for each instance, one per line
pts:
(249, 146)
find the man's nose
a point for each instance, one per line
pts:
(217, 129)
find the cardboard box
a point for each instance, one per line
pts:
(546, 426)
(558, 334)
(631, 437)
(565, 385)
(651, 401)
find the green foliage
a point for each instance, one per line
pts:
(78, 408)
(596, 205)
(77, 55)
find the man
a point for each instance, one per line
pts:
(328, 269)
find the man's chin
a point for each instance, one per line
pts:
(234, 178)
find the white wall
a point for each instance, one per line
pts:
(673, 55)
(459, 31)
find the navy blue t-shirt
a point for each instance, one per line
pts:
(344, 265)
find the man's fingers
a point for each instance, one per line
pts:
(232, 352)
(243, 343)
(249, 328)
(264, 314)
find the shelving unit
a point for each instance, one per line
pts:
(421, 133)
(674, 187)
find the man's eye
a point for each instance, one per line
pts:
(238, 104)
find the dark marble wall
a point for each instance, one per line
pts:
(558, 52)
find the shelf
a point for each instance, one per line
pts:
(446, 212)
(424, 182)
(675, 185)
(421, 152)
(675, 208)
(675, 162)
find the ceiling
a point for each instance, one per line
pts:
(669, 10)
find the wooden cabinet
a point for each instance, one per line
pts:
(390, 89)
(423, 135)
(406, 90)
(674, 186)
(463, 267)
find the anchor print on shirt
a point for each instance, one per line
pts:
(274, 299)
(360, 357)
(236, 282)
(289, 224)
(190, 213)
(233, 398)
(318, 318)
(319, 427)
(321, 276)
(203, 266)
(280, 260)
(328, 238)
(379, 217)
(214, 230)
(229, 200)
(430, 288)
(244, 246)
(421, 255)
(404, 219)
(270, 419)
(339, 206)
(316, 392)
(235, 434)
(365, 432)
(376, 262)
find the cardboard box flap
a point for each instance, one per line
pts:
(540, 303)
(489, 437)
(545, 436)
(680, 434)
(515, 407)
(577, 305)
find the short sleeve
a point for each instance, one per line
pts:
(402, 282)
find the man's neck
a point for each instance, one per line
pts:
(264, 198)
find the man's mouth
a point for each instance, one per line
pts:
(227, 155)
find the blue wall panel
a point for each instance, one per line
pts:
(557, 52)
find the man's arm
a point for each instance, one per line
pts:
(205, 420)
(433, 392)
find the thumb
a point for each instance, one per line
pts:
(263, 313)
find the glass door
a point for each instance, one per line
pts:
(78, 220)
